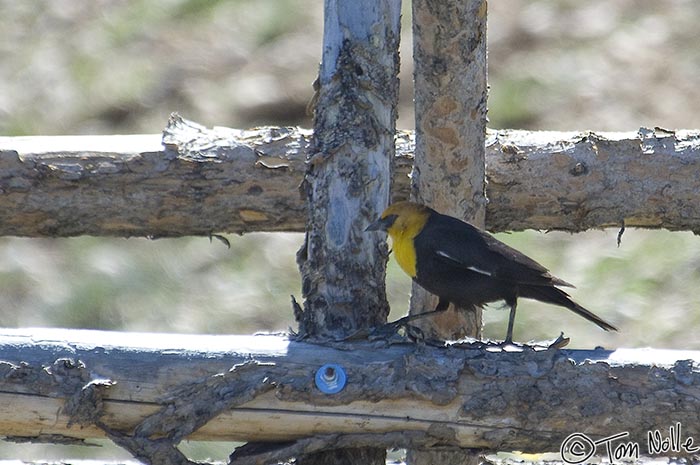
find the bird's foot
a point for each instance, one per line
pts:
(397, 331)
(389, 331)
(558, 343)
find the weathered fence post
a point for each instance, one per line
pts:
(449, 51)
(449, 54)
(348, 179)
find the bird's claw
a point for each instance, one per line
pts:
(558, 343)
(399, 330)
(388, 331)
(391, 332)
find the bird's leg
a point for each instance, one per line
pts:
(511, 321)
(403, 322)
(558, 343)
(439, 308)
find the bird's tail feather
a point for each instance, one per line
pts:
(556, 296)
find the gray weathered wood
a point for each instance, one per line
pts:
(404, 395)
(223, 180)
(348, 176)
(195, 181)
(347, 184)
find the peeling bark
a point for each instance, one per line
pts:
(347, 183)
(196, 181)
(348, 177)
(262, 389)
(135, 186)
(449, 52)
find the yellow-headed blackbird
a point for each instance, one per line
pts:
(467, 266)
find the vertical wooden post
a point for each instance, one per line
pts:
(348, 180)
(449, 54)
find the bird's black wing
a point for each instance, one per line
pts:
(460, 244)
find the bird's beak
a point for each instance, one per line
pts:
(382, 224)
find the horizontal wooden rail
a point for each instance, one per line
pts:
(198, 181)
(72, 384)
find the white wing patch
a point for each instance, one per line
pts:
(471, 268)
(478, 270)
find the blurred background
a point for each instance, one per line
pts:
(122, 66)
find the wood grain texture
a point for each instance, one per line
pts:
(261, 388)
(192, 182)
(349, 169)
(449, 54)
(581, 180)
(347, 183)
(449, 49)
(223, 180)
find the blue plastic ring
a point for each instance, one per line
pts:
(330, 378)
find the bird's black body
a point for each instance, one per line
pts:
(468, 267)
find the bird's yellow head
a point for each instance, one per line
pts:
(403, 221)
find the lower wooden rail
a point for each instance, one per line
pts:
(75, 384)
